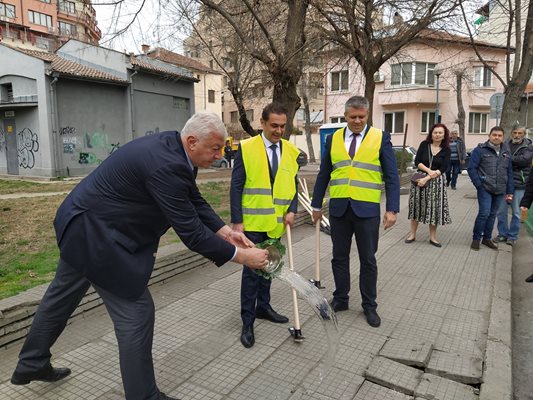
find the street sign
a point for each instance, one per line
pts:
(496, 105)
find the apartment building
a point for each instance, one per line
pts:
(420, 82)
(47, 24)
(208, 89)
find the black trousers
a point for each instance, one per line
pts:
(366, 231)
(255, 290)
(133, 322)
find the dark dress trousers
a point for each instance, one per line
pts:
(360, 219)
(108, 230)
(255, 290)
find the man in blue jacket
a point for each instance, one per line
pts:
(357, 160)
(491, 172)
(108, 230)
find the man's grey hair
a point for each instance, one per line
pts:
(203, 124)
(520, 128)
(356, 102)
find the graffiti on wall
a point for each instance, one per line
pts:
(69, 144)
(67, 130)
(27, 146)
(3, 141)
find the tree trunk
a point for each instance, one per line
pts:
(243, 118)
(461, 116)
(511, 106)
(307, 115)
(370, 88)
(285, 93)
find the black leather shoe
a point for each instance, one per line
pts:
(48, 374)
(272, 316)
(436, 244)
(247, 336)
(338, 306)
(529, 278)
(490, 244)
(372, 318)
(163, 396)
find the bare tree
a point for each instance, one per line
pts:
(461, 115)
(274, 37)
(359, 28)
(518, 68)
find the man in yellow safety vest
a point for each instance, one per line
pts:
(356, 162)
(263, 200)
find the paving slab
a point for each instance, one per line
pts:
(458, 367)
(408, 352)
(433, 387)
(371, 391)
(393, 375)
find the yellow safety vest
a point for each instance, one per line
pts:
(360, 178)
(264, 207)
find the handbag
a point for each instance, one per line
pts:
(419, 174)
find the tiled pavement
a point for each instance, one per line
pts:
(441, 310)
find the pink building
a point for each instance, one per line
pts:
(406, 88)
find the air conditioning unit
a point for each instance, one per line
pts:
(5, 19)
(378, 77)
(51, 29)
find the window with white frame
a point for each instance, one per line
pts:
(67, 29)
(482, 77)
(234, 116)
(477, 122)
(38, 18)
(67, 6)
(337, 120)
(394, 121)
(428, 120)
(414, 73)
(339, 81)
(250, 115)
(7, 10)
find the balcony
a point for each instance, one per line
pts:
(480, 96)
(411, 95)
(19, 102)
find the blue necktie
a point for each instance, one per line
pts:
(274, 165)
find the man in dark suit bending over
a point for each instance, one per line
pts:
(108, 230)
(356, 161)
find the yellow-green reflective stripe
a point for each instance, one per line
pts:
(344, 163)
(258, 211)
(336, 182)
(282, 202)
(366, 185)
(371, 167)
(267, 192)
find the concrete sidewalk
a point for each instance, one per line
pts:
(445, 330)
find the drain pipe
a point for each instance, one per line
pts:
(132, 108)
(56, 162)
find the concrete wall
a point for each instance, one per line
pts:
(160, 104)
(91, 120)
(32, 123)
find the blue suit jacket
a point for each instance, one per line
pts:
(109, 226)
(363, 209)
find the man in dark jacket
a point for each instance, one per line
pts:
(108, 231)
(525, 204)
(491, 173)
(521, 156)
(457, 158)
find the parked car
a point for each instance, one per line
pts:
(220, 163)
(409, 150)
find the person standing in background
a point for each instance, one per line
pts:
(457, 159)
(521, 157)
(491, 173)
